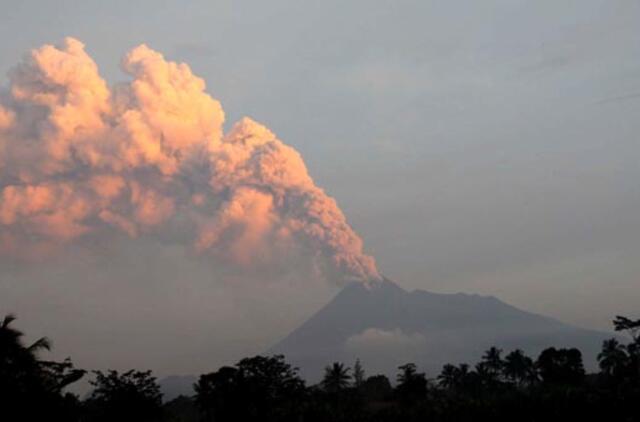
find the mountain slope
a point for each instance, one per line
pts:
(386, 326)
(177, 385)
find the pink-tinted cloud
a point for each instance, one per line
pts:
(149, 157)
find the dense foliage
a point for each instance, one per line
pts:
(500, 387)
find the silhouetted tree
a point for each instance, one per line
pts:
(30, 388)
(181, 409)
(130, 396)
(412, 384)
(448, 378)
(561, 366)
(336, 378)
(271, 385)
(458, 379)
(219, 394)
(257, 388)
(613, 359)
(267, 389)
(632, 327)
(376, 388)
(519, 368)
(19, 363)
(358, 374)
(491, 366)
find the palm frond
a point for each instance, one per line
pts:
(41, 343)
(7, 320)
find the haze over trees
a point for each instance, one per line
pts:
(501, 386)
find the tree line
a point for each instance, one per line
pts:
(502, 386)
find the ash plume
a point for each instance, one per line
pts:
(82, 160)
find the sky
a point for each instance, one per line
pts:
(483, 147)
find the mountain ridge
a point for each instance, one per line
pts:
(386, 325)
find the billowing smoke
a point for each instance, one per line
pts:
(81, 160)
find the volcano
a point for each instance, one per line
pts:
(386, 326)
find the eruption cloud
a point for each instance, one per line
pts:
(82, 160)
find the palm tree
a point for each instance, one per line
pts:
(10, 338)
(411, 383)
(455, 378)
(561, 366)
(613, 358)
(492, 362)
(358, 374)
(463, 371)
(19, 364)
(15, 357)
(336, 377)
(519, 368)
(32, 389)
(632, 327)
(407, 373)
(448, 377)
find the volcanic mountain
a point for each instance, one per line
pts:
(386, 326)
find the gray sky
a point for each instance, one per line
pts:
(487, 147)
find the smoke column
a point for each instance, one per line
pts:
(81, 160)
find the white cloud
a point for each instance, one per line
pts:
(380, 339)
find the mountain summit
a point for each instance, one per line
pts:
(386, 326)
